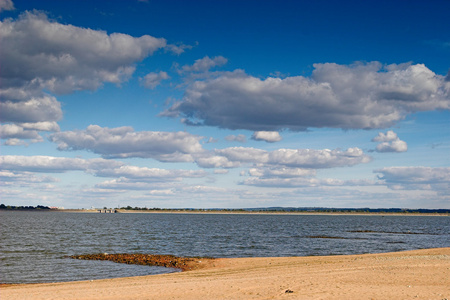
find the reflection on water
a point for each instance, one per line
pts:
(35, 245)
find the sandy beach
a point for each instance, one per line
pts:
(419, 274)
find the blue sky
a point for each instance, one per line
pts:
(225, 104)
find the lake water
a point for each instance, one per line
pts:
(35, 245)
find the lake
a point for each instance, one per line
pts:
(35, 245)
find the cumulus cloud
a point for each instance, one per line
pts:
(291, 182)
(50, 164)
(40, 55)
(178, 48)
(9, 131)
(204, 64)
(21, 169)
(152, 80)
(216, 161)
(39, 108)
(64, 58)
(19, 142)
(124, 142)
(243, 154)
(124, 184)
(416, 178)
(359, 96)
(290, 158)
(316, 159)
(23, 179)
(6, 5)
(15, 134)
(267, 136)
(388, 137)
(286, 167)
(389, 142)
(149, 174)
(280, 172)
(288, 177)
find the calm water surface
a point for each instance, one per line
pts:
(34, 245)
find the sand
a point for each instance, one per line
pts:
(420, 274)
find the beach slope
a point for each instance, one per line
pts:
(419, 274)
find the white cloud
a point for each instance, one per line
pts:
(204, 64)
(178, 49)
(268, 136)
(389, 142)
(215, 161)
(50, 164)
(149, 174)
(23, 178)
(167, 192)
(243, 154)
(9, 131)
(394, 146)
(123, 184)
(152, 80)
(291, 182)
(317, 159)
(388, 137)
(124, 142)
(41, 126)
(39, 54)
(6, 5)
(416, 178)
(281, 172)
(16, 142)
(65, 58)
(291, 158)
(19, 170)
(236, 138)
(16, 133)
(359, 96)
(42, 108)
(288, 177)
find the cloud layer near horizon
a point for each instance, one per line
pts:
(124, 142)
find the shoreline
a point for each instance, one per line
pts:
(220, 212)
(422, 274)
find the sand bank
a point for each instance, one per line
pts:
(421, 274)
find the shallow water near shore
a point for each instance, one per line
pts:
(35, 245)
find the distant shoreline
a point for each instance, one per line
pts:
(237, 212)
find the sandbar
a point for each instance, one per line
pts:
(418, 274)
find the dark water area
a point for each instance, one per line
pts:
(35, 245)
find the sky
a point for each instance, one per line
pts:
(225, 104)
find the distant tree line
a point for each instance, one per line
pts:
(299, 209)
(350, 210)
(11, 207)
(183, 209)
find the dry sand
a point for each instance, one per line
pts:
(421, 274)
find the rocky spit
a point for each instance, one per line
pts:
(168, 261)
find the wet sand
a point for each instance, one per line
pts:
(419, 274)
